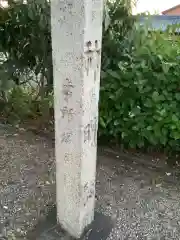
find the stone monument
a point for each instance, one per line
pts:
(76, 43)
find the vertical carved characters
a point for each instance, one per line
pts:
(88, 192)
(87, 133)
(68, 157)
(76, 60)
(96, 13)
(67, 89)
(93, 95)
(90, 132)
(69, 112)
(92, 58)
(66, 137)
(66, 112)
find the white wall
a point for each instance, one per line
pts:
(154, 5)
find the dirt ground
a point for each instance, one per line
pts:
(140, 194)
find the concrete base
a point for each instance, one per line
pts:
(48, 229)
(99, 229)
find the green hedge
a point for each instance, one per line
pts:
(25, 54)
(140, 99)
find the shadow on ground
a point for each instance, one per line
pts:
(139, 194)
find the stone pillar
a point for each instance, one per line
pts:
(76, 44)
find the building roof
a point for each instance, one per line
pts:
(159, 22)
(170, 9)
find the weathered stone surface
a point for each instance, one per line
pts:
(76, 43)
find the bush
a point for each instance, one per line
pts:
(25, 48)
(117, 23)
(25, 40)
(24, 104)
(26, 61)
(25, 37)
(140, 99)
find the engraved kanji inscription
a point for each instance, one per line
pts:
(87, 133)
(66, 137)
(67, 112)
(67, 89)
(90, 132)
(68, 157)
(88, 192)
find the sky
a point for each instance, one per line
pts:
(153, 6)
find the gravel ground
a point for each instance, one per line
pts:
(144, 202)
(140, 194)
(26, 181)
